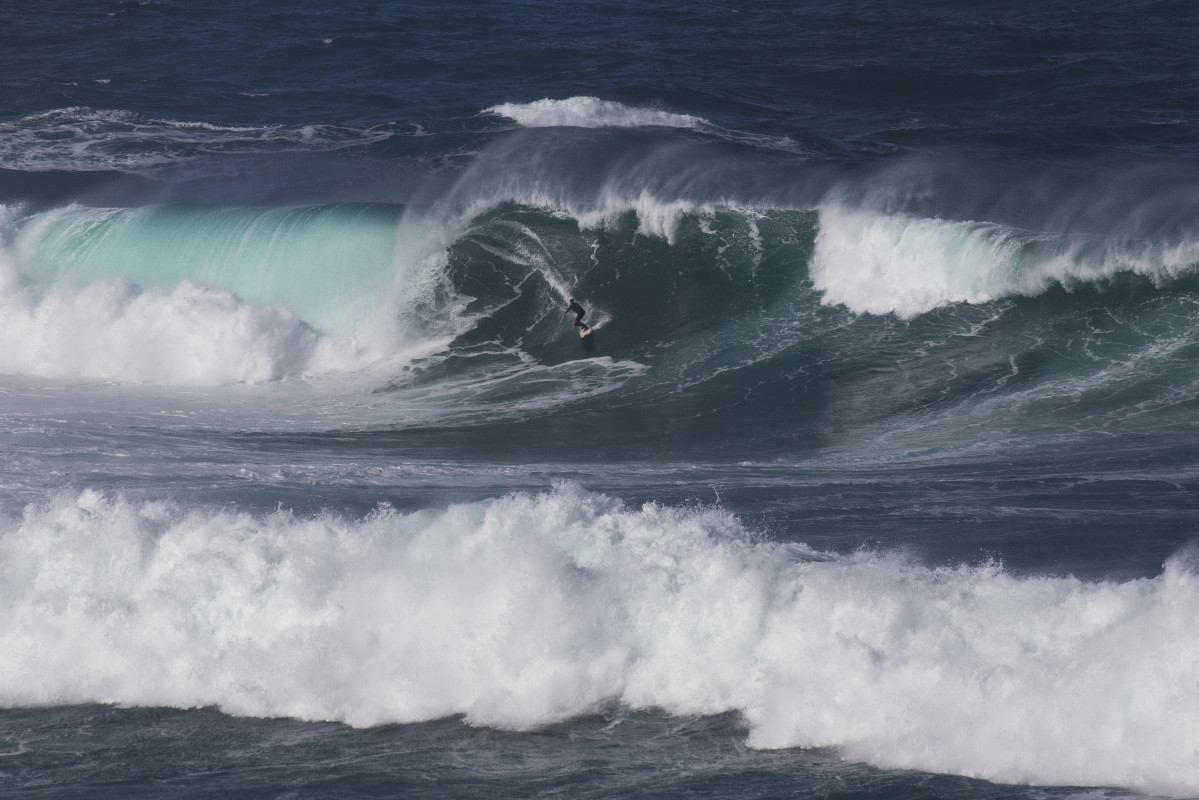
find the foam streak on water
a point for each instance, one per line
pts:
(590, 112)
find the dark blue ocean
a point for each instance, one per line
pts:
(876, 480)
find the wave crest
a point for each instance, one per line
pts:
(590, 112)
(899, 264)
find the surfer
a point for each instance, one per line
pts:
(575, 308)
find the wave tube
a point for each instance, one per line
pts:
(522, 611)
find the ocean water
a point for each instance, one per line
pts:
(877, 478)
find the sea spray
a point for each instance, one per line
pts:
(533, 608)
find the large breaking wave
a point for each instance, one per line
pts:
(729, 294)
(209, 294)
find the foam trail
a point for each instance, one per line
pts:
(590, 112)
(80, 138)
(529, 609)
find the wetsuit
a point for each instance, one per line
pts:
(575, 308)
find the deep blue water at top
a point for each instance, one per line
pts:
(1005, 80)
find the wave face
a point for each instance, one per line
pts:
(531, 609)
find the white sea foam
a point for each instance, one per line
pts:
(188, 333)
(881, 263)
(590, 112)
(525, 610)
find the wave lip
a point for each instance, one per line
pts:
(590, 112)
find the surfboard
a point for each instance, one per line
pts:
(583, 334)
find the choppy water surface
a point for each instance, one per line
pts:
(876, 477)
